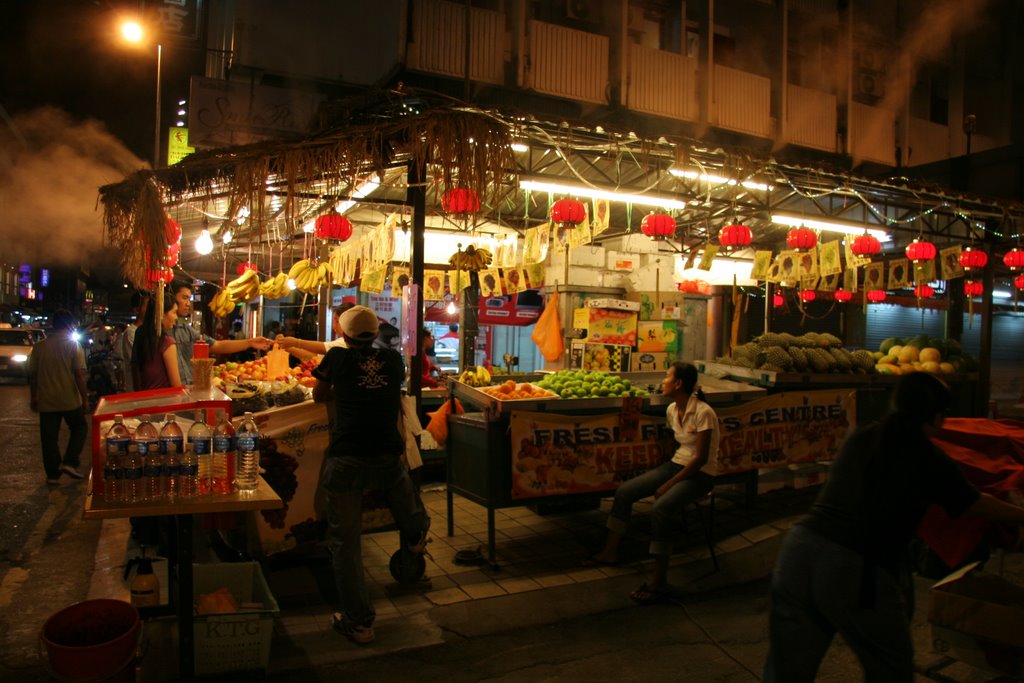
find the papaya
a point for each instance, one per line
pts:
(908, 354)
(929, 354)
(886, 345)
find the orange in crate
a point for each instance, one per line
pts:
(510, 391)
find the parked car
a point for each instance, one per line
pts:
(15, 348)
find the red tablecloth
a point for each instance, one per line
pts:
(991, 454)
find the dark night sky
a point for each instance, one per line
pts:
(76, 112)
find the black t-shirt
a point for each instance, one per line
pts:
(367, 394)
(879, 489)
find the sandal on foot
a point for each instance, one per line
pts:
(595, 561)
(645, 595)
(360, 635)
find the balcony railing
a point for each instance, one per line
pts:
(872, 134)
(811, 118)
(662, 83)
(567, 63)
(437, 43)
(741, 102)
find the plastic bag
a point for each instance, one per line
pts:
(547, 334)
(277, 363)
(438, 425)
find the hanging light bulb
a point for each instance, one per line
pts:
(291, 284)
(227, 236)
(204, 245)
(309, 227)
(451, 308)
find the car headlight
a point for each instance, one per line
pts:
(19, 358)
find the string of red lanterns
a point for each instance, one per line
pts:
(865, 246)
(919, 250)
(972, 288)
(924, 291)
(735, 236)
(843, 295)
(460, 202)
(808, 295)
(1018, 282)
(778, 300)
(333, 226)
(1014, 259)
(801, 239)
(568, 213)
(973, 258)
(658, 226)
(876, 295)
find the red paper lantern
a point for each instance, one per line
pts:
(460, 201)
(244, 266)
(876, 295)
(333, 226)
(973, 258)
(866, 246)
(171, 259)
(568, 213)
(843, 295)
(1018, 282)
(735, 236)
(172, 230)
(801, 238)
(924, 291)
(1014, 259)
(972, 288)
(658, 226)
(778, 300)
(920, 251)
(807, 295)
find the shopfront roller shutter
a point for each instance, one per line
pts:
(885, 320)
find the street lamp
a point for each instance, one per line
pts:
(133, 32)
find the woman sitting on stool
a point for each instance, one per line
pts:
(674, 484)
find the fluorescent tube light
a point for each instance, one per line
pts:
(1000, 294)
(717, 179)
(594, 193)
(830, 226)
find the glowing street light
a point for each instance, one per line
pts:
(133, 32)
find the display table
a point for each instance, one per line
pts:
(179, 570)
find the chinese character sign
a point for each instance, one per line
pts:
(177, 20)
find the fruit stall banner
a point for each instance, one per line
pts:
(565, 454)
(784, 429)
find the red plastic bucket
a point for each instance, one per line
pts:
(93, 640)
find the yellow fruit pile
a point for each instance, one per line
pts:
(903, 359)
(510, 391)
(477, 377)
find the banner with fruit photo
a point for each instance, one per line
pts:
(490, 282)
(565, 454)
(784, 429)
(433, 285)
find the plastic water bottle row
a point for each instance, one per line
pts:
(155, 465)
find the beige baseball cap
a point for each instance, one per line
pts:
(359, 323)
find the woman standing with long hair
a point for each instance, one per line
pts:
(674, 484)
(154, 354)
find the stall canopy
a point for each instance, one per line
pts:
(265, 193)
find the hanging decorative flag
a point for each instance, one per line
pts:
(828, 258)
(399, 279)
(949, 259)
(490, 282)
(898, 274)
(762, 262)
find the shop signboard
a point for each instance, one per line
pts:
(566, 454)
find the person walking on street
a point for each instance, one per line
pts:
(365, 452)
(184, 335)
(56, 375)
(843, 568)
(674, 484)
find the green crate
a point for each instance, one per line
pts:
(239, 641)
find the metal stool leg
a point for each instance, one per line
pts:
(708, 525)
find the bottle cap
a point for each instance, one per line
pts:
(200, 349)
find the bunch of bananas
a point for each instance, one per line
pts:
(221, 305)
(244, 287)
(310, 276)
(477, 377)
(473, 259)
(275, 287)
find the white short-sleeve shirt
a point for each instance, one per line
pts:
(340, 342)
(698, 417)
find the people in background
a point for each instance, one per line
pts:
(429, 372)
(139, 303)
(364, 453)
(184, 335)
(154, 356)
(674, 484)
(308, 348)
(57, 391)
(843, 568)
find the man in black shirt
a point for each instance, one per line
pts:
(842, 568)
(364, 453)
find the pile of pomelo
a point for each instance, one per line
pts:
(582, 384)
(898, 356)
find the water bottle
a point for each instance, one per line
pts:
(117, 438)
(133, 475)
(223, 461)
(171, 469)
(171, 433)
(248, 446)
(188, 475)
(200, 442)
(113, 474)
(147, 439)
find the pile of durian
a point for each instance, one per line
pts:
(810, 352)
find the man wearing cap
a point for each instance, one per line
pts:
(364, 453)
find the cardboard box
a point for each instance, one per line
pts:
(978, 616)
(606, 326)
(671, 310)
(614, 304)
(648, 362)
(621, 261)
(806, 474)
(599, 357)
(657, 336)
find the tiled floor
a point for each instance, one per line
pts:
(533, 551)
